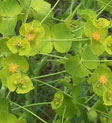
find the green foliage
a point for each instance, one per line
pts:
(47, 45)
(87, 14)
(7, 26)
(3, 105)
(10, 8)
(60, 31)
(67, 107)
(7, 118)
(75, 67)
(4, 115)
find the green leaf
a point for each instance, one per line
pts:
(79, 108)
(10, 8)
(7, 27)
(3, 76)
(17, 45)
(68, 106)
(88, 4)
(75, 67)
(76, 91)
(87, 14)
(60, 31)
(78, 29)
(41, 7)
(3, 47)
(47, 45)
(20, 82)
(97, 47)
(3, 105)
(78, 81)
(88, 55)
(104, 120)
(99, 105)
(7, 118)
(99, 88)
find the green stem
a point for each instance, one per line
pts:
(50, 11)
(55, 117)
(77, 7)
(55, 56)
(88, 108)
(104, 8)
(57, 89)
(78, 29)
(50, 60)
(87, 69)
(29, 111)
(65, 90)
(83, 105)
(48, 75)
(35, 104)
(103, 3)
(71, 7)
(27, 12)
(90, 98)
(68, 40)
(3, 90)
(97, 60)
(8, 94)
(57, 19)
(63, 115)
(49, 82)
(105, 114)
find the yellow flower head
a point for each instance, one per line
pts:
(13, 68)
(103, 79)
(31, 36)
(97, 36)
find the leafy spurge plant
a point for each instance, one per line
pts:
(69, 52)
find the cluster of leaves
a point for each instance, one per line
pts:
(30, 29)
